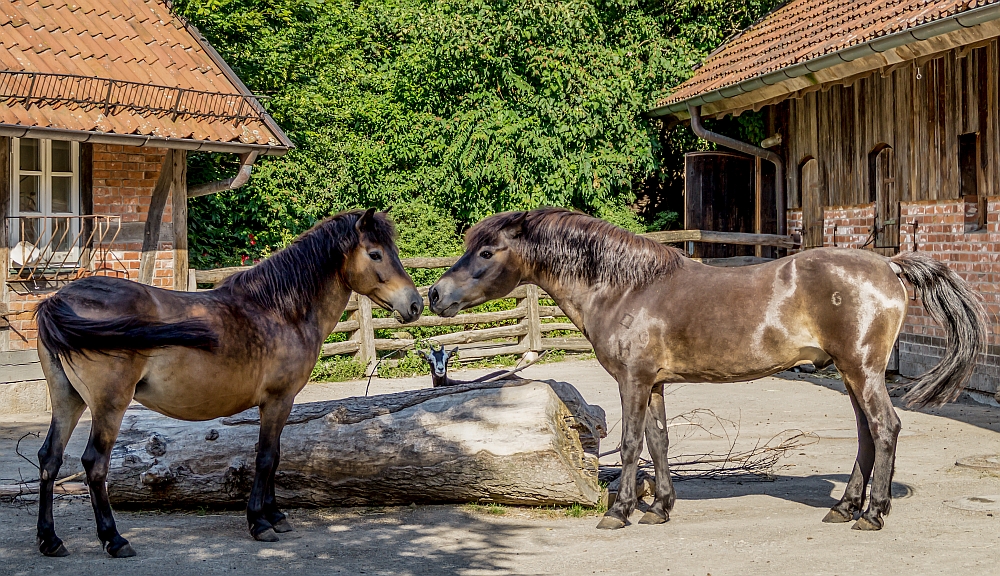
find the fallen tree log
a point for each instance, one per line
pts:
(511, 442)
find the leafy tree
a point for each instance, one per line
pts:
(445, 112)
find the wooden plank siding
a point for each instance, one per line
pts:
(919, 108)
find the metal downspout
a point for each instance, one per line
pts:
(246, 162)
(772, 157)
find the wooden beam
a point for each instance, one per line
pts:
(711, 236)
(154, 218)
(4, 236)
(179, 217)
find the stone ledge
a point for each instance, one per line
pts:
(24, 397)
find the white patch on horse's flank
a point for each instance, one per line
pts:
(872, 303)
(836, 299)
(781, 293)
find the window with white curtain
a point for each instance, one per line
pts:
(45, 195)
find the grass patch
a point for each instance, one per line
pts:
(337, 369)
(487, 508)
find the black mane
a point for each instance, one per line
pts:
(288, 281)
(566, 243)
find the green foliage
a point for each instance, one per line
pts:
(337, 369)
(448, 111)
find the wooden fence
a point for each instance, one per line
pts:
(535, 321)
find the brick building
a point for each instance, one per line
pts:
(884, 116)
(100, 101)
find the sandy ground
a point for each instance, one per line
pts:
(718, 526)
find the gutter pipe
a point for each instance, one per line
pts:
(246, 163)
(966, 19)
(772, 157)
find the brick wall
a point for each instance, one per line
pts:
(123, 181)
(942, 231)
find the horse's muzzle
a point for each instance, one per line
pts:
(442, 302)
(412, 308)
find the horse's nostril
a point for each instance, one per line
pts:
(414, 308)
(433, 295)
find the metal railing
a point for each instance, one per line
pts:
(46, 252)
(113, 96)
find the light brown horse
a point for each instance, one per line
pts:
(201, 355)
(656, 317)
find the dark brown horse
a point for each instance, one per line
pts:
(196, 356)
(656, 317)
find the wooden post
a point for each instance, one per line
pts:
(192, 281)
(4, 237)
(365, 334)
(154, 217)
(534, 337)
(179, 206)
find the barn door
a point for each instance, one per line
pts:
(812, 205)
(886, 202)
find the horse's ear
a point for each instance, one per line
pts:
(367, 221)
(515, 227)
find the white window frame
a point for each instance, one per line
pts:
(45, 190)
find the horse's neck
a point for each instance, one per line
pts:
(330, 306)
(577, 299)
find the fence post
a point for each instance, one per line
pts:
(365, 334)
(534, 321)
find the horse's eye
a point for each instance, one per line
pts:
(485, 254)
(375, 255)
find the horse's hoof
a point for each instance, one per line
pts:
(865, 524)
(652, 518)
(57, 551)
(835, 516)
(283, 526)
(610, 523)
(266, 535)
(123, 551)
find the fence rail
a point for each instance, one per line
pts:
(530, 333)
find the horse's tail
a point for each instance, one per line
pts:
(956, 307)
(62, 331)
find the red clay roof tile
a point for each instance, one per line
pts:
(130, 40)
(803, 30)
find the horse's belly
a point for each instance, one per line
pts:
(187, 391)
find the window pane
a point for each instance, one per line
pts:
(28, 230)
(31, 150)
(61, 235)
(28, 197)
(62, 156)
(62, 187)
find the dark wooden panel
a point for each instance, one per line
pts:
(719, 195)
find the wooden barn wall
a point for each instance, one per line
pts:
(919, 109)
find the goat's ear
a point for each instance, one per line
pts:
(453, 352)
(367, 221)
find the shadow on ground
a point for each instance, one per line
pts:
(424, 540)
(819, 490)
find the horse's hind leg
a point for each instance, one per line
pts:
(67, 407)
(260, 507)
(107, 420)
(875, 407)
(657, 440)
(854, 496)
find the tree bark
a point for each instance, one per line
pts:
(511, 442)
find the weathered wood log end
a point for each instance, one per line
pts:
(512, 442)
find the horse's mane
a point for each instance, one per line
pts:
(566, 243)
(289, 281)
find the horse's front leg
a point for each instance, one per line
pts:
(262, 513)
(657, 441)
(635, 396)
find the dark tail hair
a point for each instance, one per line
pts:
(957, 308)
(62, 331)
